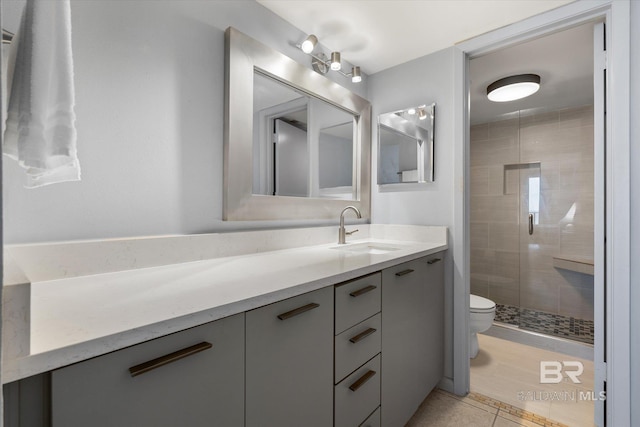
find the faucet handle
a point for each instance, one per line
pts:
(349, 233)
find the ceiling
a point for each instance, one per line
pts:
(564, 62)
(379, 34)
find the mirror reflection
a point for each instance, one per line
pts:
(336, 161)
(302, 146)
(405, 145)
(296, 144)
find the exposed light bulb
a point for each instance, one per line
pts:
(411, 111)
(335, 61)
(356, 77)
(309, 43)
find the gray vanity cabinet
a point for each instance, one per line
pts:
(412, 336)
(357, 350)
(365, 352)
(289, 362)
(191, 378)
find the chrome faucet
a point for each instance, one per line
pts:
(342, 233)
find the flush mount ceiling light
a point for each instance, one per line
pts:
(513, 87)
(322, 64)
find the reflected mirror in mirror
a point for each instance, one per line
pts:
(336, 161)
(302, 146)
(405, 145)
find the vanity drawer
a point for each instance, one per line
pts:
(357, 300)
(356, 345)
(358, 395)
(373, 420)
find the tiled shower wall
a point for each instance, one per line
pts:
(507, 264)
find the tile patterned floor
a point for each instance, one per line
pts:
(546, 323)
(442, 409)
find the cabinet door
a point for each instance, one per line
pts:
(412, 336)
(203, 388)
(289, 367)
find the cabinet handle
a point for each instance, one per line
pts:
(360, 381)
(404, 272)
(169, 358)
(299, 310)
(362, 335)
(433, 261)
(363, 291)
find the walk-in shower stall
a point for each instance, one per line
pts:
(532, 219)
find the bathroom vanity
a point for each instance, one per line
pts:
(316, 335)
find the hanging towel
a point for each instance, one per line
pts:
(40, 129)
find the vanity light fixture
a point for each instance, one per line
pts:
(335, 61)
(356, 77)
(513, 87)
(322, 64)
(309, 43)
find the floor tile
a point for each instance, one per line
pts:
(510, 372)
(503, 422)
(442, 410)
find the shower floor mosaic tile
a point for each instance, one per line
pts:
(546, 323)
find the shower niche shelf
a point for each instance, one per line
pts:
(580, 265)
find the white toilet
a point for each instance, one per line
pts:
(483, 311)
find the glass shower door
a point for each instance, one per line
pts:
(556, 223)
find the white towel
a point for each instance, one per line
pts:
(40, 129)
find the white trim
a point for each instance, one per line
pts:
(618, 223)
(599, 139)
(616, 13)
(461, 235)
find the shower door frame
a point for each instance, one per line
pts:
(612, 315)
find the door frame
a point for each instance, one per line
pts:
(615, 269)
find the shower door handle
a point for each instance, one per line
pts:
(530, 224)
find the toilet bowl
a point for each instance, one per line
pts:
(483, 311)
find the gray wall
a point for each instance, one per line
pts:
(635, 211)
(421, 81)
(149, 103)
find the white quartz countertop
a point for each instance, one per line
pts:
(76, 318)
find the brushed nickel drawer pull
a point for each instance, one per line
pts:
(299, 310)
(363, 291)
(169, 358)
(433, 261)
(362, 335)
(360, 381)
(404, 272)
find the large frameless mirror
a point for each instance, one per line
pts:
(297, 145)
(405, 145)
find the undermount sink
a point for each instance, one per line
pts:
(366, 248)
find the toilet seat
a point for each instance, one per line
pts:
(478, 304)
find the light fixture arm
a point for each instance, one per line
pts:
(322, 64)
